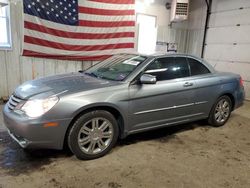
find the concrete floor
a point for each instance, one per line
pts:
(190, 155)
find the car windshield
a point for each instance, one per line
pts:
(117, 67)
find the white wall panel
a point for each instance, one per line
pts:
(230, 18)
(60, 67)
(12, 70)
(173, 35)
(194, 26)
(178, 36)
(71, 66)
(81, 65)
(229, 35)
(49, 67)
(225, 5)
(163, 34)
(228, 39)
(224, 52)
(3, 75)
(247, 89)
(26, 69)
(194, 42)
(38, 68)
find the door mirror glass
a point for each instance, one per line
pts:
(147, 79)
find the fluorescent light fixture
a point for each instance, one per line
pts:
(149, 1)
(140, 5)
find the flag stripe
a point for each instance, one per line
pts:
(45, 49)
(115, 1)
(72, 41)
(92, 17)
(76, 35)
(65, 57)
(108, 6)
(69, 47)
(106, 24)
(79, 29)
(97, 11)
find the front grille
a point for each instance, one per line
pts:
(14, 101)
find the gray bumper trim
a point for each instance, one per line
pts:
(21, 141)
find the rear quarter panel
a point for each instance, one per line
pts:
(210, 87)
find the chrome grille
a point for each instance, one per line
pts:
(13, 102)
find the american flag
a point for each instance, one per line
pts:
(78, 29)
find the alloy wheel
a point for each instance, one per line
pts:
(222, 111)
(95, 136)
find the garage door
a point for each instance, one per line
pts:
(228, 38)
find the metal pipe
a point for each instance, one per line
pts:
(209, 4)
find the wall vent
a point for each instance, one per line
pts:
(179, 10)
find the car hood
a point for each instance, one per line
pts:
(61, 84)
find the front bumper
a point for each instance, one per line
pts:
(31, 133)
(21, 141)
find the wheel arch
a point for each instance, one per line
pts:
(231, 96)
(107, 107)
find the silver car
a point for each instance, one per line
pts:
(125, 94)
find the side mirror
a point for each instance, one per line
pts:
(147, 79)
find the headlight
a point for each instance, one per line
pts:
(37, 107)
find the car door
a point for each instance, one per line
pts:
(168, 101)
(206, 86)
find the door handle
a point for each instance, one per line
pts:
(188, 84)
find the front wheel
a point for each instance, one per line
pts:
(93, 134)
(220, 112)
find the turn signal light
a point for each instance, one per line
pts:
(50, 124)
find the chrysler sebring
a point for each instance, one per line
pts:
(124, 94)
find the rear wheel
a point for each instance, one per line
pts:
(220, 112)
(93, 134)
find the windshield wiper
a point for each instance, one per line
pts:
(98, 76)
(91, 74)
(105, 78)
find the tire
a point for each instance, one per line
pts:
(93, 135)
(220, 112)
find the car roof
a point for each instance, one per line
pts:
(161, 54)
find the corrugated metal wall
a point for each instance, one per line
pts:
(195, 25)
(15, 69)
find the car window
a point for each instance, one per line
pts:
(117, 67)
(196, 67)
(168, 68)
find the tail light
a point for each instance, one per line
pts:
(241, 82)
